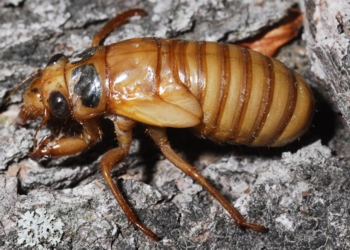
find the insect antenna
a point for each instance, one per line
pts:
(35, 74)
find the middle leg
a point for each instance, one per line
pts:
(123, 129)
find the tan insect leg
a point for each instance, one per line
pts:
(123, 128)
(160, 138)
(58, 148)
(67, 145)
(114, 23)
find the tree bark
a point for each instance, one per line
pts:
(300, 192)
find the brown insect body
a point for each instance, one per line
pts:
(227, 93)
(224, 92)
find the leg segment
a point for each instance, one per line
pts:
(160, 138)
(114, 23)
(67, 145)
(123, 128)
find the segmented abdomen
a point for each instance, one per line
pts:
(246, 97)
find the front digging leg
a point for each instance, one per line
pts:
(65, 146)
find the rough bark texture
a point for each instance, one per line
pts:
(300, 192)
(327, 32)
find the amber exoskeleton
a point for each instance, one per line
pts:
(224, 92)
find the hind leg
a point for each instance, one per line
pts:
(114, 23)
(160, 138)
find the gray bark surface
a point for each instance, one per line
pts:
(327, 32)
(300, 192)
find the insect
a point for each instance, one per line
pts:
(223, 92)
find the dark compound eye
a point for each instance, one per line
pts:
(58, 105)
(55, 58)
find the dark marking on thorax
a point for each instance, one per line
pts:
(83, 55)
(88, 87)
